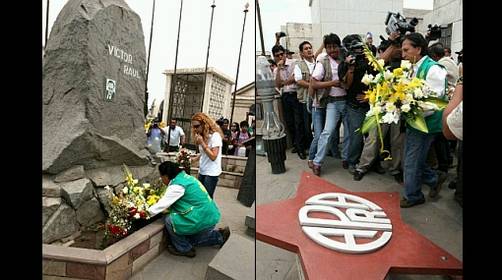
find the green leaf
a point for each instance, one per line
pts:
(418, 122)
(438, 101)
(368, 124)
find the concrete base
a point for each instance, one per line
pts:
(234, 261)
(250, 218)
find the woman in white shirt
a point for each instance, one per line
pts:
(208, 136)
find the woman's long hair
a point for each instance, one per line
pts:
(208, 126)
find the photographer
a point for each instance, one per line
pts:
(352, 70)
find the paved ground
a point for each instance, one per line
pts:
(169, 267)
(440, 220)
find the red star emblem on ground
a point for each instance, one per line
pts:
(407, 252)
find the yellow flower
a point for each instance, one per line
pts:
(370, 95)
(398, 72)
(152, 200)
(415, 82)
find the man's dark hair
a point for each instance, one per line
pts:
(449, 49)
(436, 50)
(417, 41)
(303, 44)
(169, 169)
(277, 48)
(331, 39)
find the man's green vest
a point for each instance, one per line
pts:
(195, 210)
(302, 92)
(434, 121)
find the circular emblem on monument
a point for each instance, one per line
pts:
(356, 225)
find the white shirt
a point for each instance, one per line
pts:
(435, 79)
(454, 121)
(318, 74)
(208, 166)
(298, 71)
(451, 70)
(286, 73)
(172, 194)
(175, 135)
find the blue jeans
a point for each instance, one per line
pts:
(184, 243)
(334, 112)
(318, 119)
(356, 118)
(416, 171)
(209, 183)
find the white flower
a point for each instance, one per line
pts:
(125, 190)
(370, 112)
(418, 93)
(390, 117)
(409, 97)
(405, 64)
(107, 188)
(377, 109)
(428, 106)
(367, 79)
(405, 108)
(377, 77)
(388, 75)
(390, 107)
(146, 185)
(137, 216)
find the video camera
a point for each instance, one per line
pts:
(397, 23)
(433, 33)
(354, 47)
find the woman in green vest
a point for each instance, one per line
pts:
(192, 213)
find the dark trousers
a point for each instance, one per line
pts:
(171, 149)
(293, 115)
(209, 183)
(459, 193)
(442, 150)
(307, 121)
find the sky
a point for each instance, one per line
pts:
(275, 13)
(195, 21)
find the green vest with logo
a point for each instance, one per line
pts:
(434, 121)
(302, 92)
(195, 210)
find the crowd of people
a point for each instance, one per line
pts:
(323, 91)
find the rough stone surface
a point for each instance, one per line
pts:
(49, 188)
(49, 206)
(103, 198)
(114, 175)
(76, 192)
(92, 41)
(74, 173)
(62, 223)
(90, 212)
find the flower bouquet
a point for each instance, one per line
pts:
(130, 205)
(395, 95)
(183, 159)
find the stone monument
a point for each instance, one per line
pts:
(93, 100)
(93, 87)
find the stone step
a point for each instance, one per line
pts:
(296, 271)
(250, 218)
(235, 260)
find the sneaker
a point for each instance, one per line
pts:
(311, 164)
(345, 164)
(302, 155)
(171, 249)
(225, 233)
(358, 175)
(407, 204)
(441, 178)
(352, 169)
(452, 185)
(294, 150)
